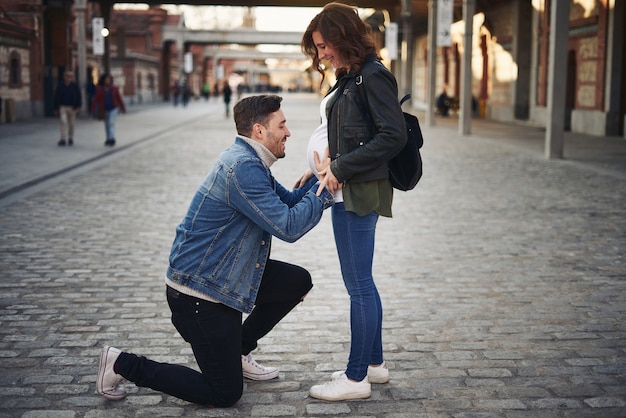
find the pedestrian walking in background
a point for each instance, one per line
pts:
(90, 88)
(67, 103)
(106, 105)
(175, 91)
(185, 93)
(443, 103)
(206, 91)
(240, 89)
(228, 93)
(362, 128)
(220, 267)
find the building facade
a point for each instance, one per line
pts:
(38, 42)
(21, 59)
(510, 61)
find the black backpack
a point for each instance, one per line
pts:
(405, 169)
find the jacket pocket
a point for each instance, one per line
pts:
(353, 137)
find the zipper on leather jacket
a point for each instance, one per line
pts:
(338, 103)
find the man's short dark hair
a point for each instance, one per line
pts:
(254, 109)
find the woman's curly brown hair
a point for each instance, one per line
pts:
(342, 28)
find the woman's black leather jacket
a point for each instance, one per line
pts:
(365, 123)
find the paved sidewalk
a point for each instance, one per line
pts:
(29, 151)
(29, 154)
(502, 275)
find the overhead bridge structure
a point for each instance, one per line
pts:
(251, 55)
(183, 36)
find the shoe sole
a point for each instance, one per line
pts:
(101, 370)
(378, 379)
(370, 379)
(345, 397)
(268, 376)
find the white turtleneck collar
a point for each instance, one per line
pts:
(264, 154)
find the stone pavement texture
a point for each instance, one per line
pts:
(503, 275)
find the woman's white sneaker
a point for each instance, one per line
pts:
(377, 374)
(254, 371)
(341, 389)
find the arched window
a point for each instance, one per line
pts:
(15, 70)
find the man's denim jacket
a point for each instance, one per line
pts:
(222, 245)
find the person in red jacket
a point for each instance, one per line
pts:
(106, 104)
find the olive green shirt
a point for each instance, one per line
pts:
(368, 196)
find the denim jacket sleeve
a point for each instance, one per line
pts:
(287, 215)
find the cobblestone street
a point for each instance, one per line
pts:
(503, 274)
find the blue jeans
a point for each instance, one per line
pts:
(354, 238)
(110, 116)
(218, 339)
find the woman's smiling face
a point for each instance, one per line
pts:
(325, 51)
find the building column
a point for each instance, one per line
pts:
(81, 44)
(406, 83)
(615, 79)
(432, 62)
(557, 83)
(535, 48)
(106, 6)
(465, 119)
(165, 80)
(522, 50)
(180, 50)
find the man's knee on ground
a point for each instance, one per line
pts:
(226, 399)
(306, 284)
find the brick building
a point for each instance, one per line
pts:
(137, 52)
(38, 42)
(21, 64)
(510, 58)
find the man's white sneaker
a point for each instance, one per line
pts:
(341, 389)
(254, 371)
(378, 374)
(108, 381)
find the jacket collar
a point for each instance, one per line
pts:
(351, 74)
(345, 77)
(264, 154)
